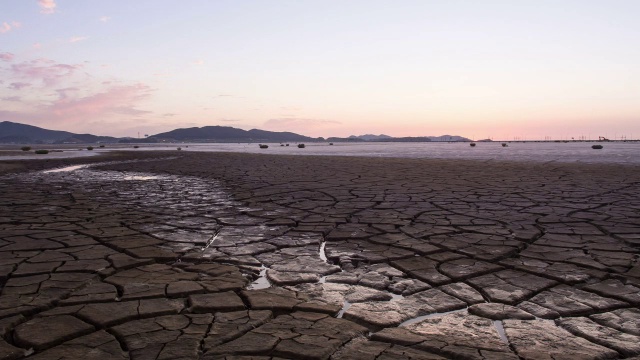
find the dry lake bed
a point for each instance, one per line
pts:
(190, 255)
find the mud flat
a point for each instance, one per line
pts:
(166, 255)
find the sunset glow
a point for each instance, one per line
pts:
(499, 69)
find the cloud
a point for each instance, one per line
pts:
(104, 19)
(6, 56)
(230, 120)
(47, 6)
(5, 27)
(47, 71)
(168, 114)
(37, 45)
(120, 100)
(18, 85)
(198, 62)
(11, 98)
(111, 109)
(77, 38)
(64, 93)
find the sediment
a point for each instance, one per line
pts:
(179, 255)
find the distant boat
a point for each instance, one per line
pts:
(472, 144)
(504, 145)
(301, 146)
(330, 143)
(264, 146)
(287, 145)
(596, 147)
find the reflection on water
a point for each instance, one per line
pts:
(261, 282)
(501, 333)
(65, 169)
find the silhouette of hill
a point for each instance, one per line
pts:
(229, 134)
(370, 137)
(11, 132)
(15, 132)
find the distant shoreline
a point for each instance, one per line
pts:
(539, 152)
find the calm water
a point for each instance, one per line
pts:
(619, 152)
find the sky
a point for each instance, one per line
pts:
(481, 69)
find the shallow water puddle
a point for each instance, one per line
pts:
(501, 333)
(345, 306)
(262, 282)
(65, 169)
(322, 253)
(212, 239)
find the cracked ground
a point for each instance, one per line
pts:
(162, 255)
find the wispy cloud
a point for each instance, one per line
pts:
(47, 71)
(6, 56)
(115, 105)
(5, 27)
(18, 85)
(121, 100)
(47, 6)
(104, 19)
(168, 114)
(77, 38)
(66, 96)
(198, 62)
(37, 45)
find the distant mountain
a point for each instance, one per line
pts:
(16, 133)
(448, 138)
(370, 137)
(228, 134)
(11, 132)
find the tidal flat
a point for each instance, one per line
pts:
(196, 255)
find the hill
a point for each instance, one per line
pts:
(11, 132)
(229, 134)
(15, 133)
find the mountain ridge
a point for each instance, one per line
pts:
(17, 133)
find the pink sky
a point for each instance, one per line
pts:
(500, 69)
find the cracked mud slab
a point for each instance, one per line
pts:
(157, 256)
